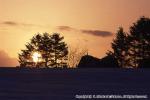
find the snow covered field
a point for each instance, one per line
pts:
(65, 84)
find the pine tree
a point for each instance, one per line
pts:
(59, 51)
(45, 47)
(119, 46)
(51, 47)
(140, 41)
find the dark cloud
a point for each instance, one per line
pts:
(6, 61)
(97, 33)
(10, 23)
(65, 28)
(13, 23)
(87, 31)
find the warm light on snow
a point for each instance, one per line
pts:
(36, 57)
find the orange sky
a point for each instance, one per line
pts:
(88, 23)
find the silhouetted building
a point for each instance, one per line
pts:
(88, 61)
(145, 63)
(109, 62)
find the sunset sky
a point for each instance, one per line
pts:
(87, 24)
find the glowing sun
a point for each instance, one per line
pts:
(36, 57)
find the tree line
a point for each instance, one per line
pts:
(133, 49)
(130, 49)
(52, 48)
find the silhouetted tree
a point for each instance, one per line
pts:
(51, 47)
(25, 58)
(120, 47)
(133, 49)
(45, 47)
(59, 51)
(139, 40)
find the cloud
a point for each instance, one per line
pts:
(10, 23)
(6, 61)
(65, 28)
(86, 31)
(13, 23)
(97, 33)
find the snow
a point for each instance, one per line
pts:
(64, 84)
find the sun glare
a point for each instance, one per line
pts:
(36, 57)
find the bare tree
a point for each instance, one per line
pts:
(75, 54)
